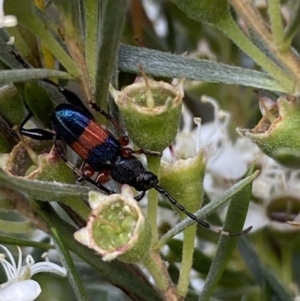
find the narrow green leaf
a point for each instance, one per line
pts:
(48, 191)
(70, 18)
(91, 18)
(16, 227)
(293, 25)
(210, 11)
(6, 144)
(25, 12)
(261, 273)
(69, 265)
(207, 209)
(164, 64)
(22, 75)
(6, 205)
(7, 57)
(234, 222)
(274, 10)
(25, 243)
(39, 103)
(263, 47)
(202, 263)
(51, 190)
(26, 44)
(217, 13)
(111, 28)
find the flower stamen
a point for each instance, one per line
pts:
(149, 97)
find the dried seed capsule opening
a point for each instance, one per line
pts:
(116, 227)
(276, 133)
(112, 227)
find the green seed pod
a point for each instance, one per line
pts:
(23, 159)
(276, 133)
(34, 159)
(116, 227)
(151, 112)
(184, 181)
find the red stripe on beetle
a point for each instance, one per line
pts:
(92, 136)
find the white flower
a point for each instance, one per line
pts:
(6, 21)
(185, 144)
(278, 190)
(226, 162)
(223, 158)
(153, 10)
(19, 286)
(203, 51)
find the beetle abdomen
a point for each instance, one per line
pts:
(92, 142)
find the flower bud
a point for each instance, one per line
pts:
(276, 134)
(116, 227)
(151, 112)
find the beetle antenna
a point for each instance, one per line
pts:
(194, 217)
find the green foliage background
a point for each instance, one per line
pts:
(89, 44)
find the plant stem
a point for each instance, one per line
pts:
(287, 59)
(292, 28)
(65, 257)
(153, 166)
(187, 260)
(235, 34)
(91, 28)
(184, 180)
(110, 29)
(154, 265)
(286, 252)
(265, 251)
(158, 271)
(201, 213)
(47, 55)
